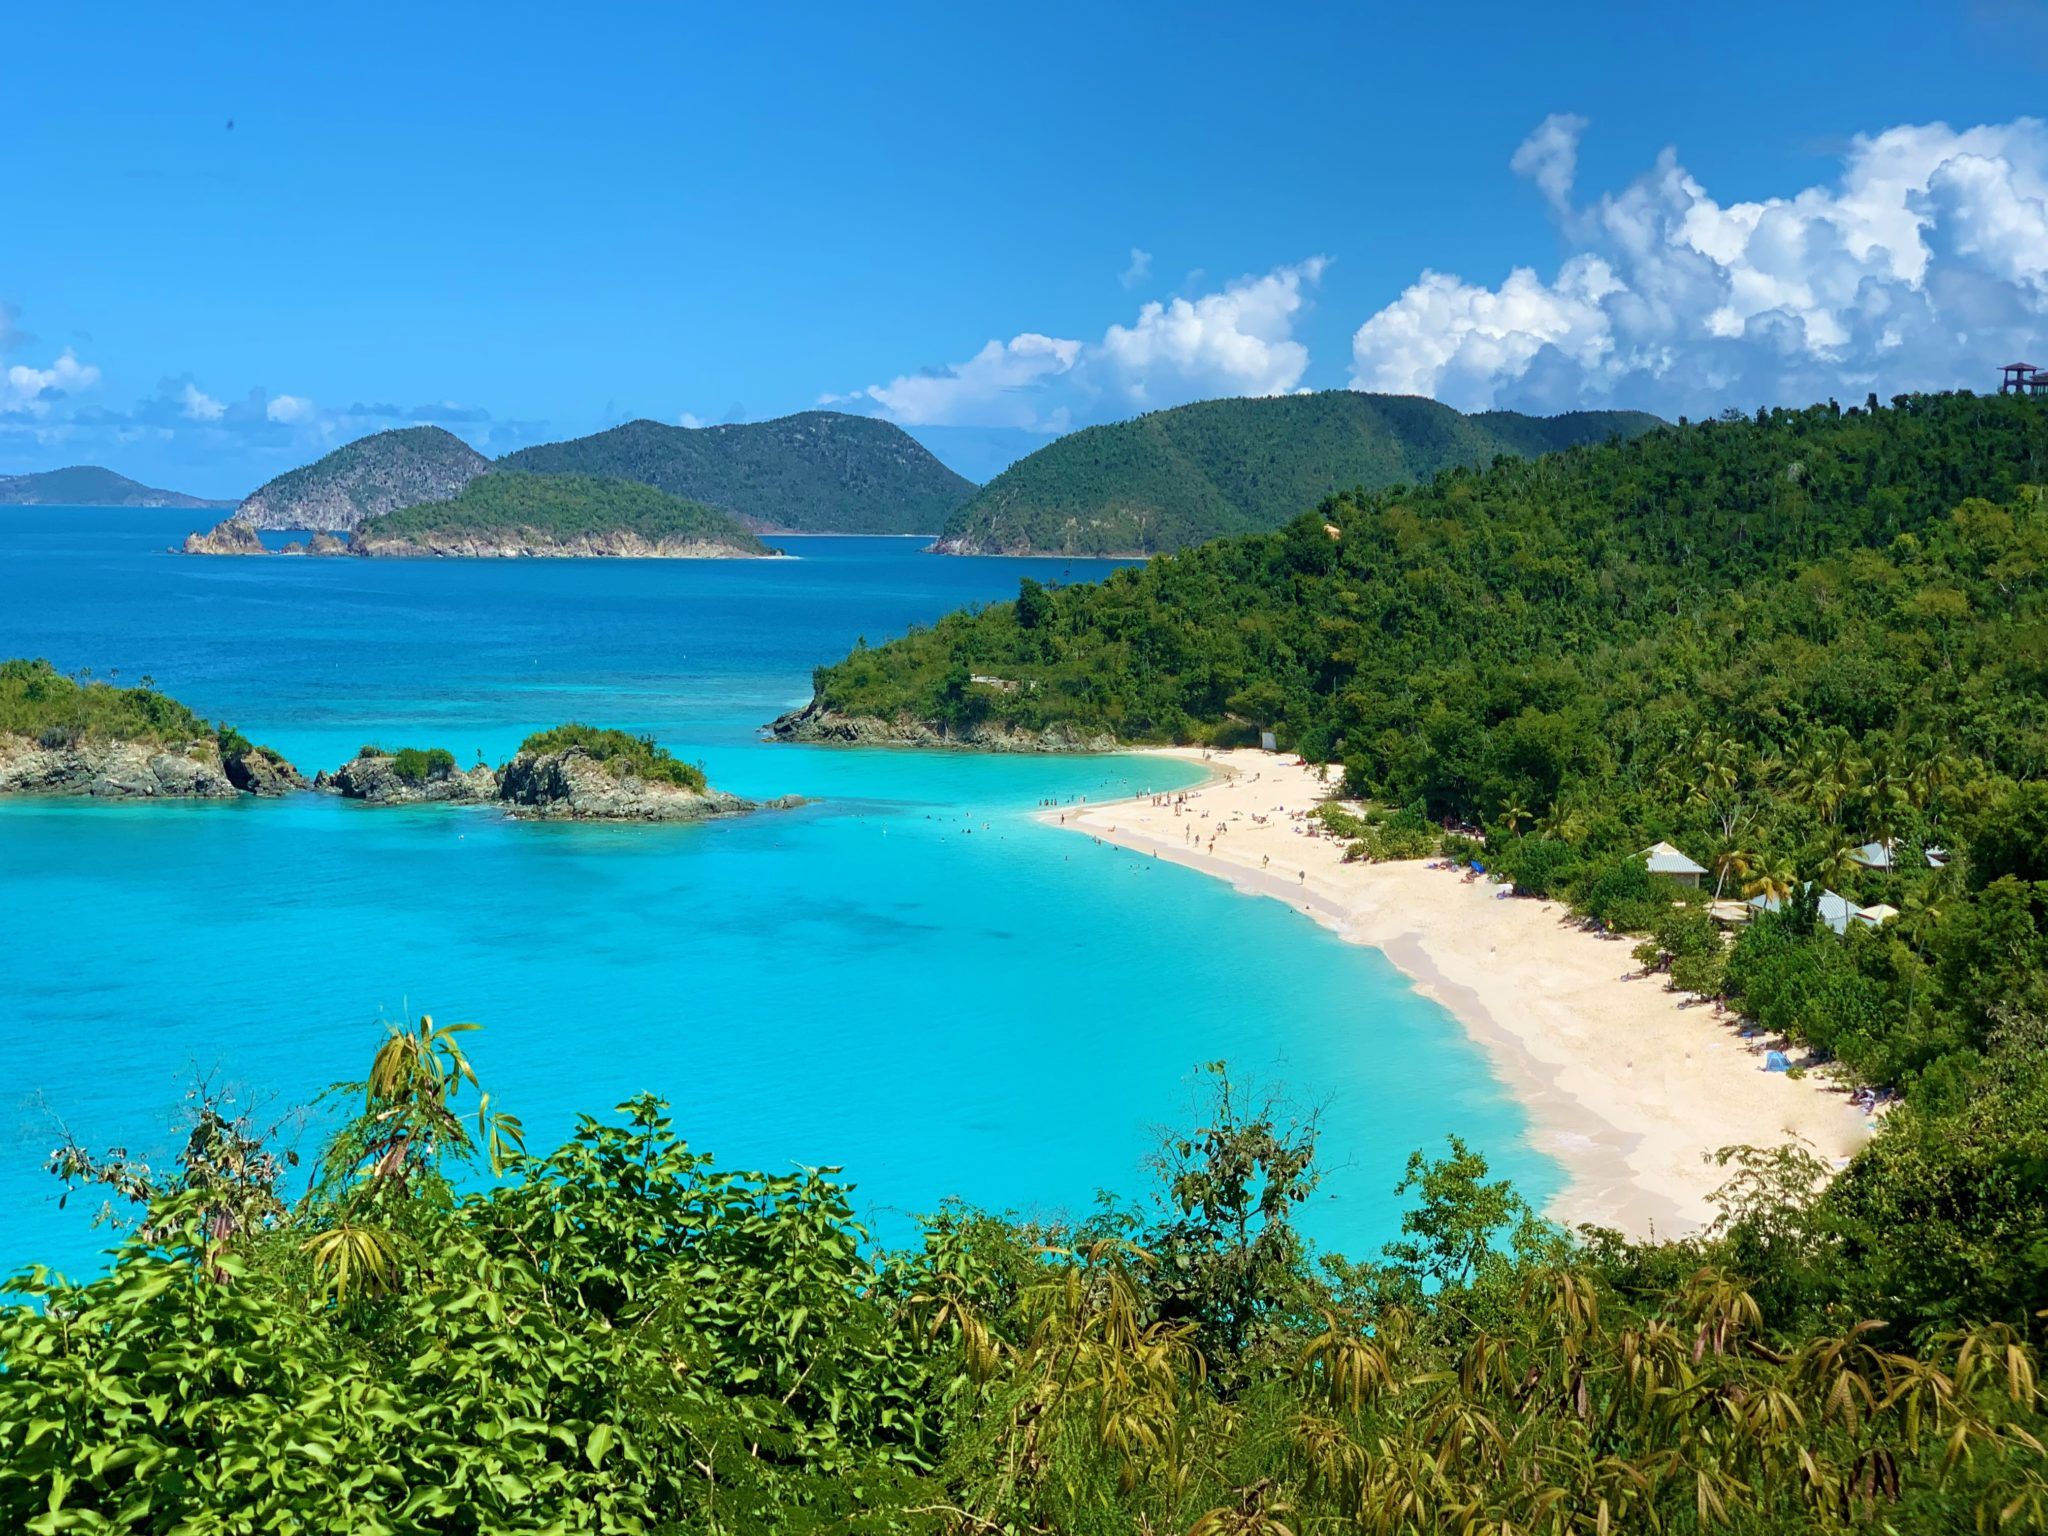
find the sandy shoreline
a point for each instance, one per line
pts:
(1627, 1087)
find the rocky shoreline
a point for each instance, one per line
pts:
(135, 770)
(234, 536)
(569, 785)
(818, 725)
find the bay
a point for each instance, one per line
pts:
(911, 978)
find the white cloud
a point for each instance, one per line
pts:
(23, 388)
(1236, 341)
(691, 419)
(288, 410)
(1140, 269)
(1921, 266)
(1550, 156)
(198, 405)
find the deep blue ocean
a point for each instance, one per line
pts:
(910, 979)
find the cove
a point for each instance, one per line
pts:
(909, 979)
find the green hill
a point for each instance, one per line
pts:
(512, 513)
(1177, 477)
(366, 478)
(815, 472)
(88, 485)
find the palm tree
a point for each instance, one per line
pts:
(1515, 815)
(1733, 862)
(1774, 882)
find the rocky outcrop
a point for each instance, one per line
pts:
(515, 544)
(817, 724)
(260, 772)
(230, 537)
(375, 778)
(319, 544)
(575, 786)
(128, 770)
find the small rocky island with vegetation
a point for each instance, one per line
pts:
(512, 515)
(72, 736)
(61, 735)
(570, 773)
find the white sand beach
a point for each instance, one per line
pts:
(1629, 1087)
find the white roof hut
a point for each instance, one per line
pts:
(1874, 855)
(1663, 859)
(1877, 916)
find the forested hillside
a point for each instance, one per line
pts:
(1771, 642)
(366, 478)
(1178, 477)
(815, 472)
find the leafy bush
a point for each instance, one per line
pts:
(416, 766)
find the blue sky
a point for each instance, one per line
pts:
(528, 224)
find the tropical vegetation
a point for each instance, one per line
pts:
(544, 510)
(1172, 478)
(44, 705)
(814, 472)
(445, 1334)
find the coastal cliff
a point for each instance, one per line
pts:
(140, 770)
(62, 735)
(621, 544)
(819, 725)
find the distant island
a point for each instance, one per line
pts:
(814, 472)
(88, 485)
(384, 472)
(72, 736)
(511, 515)
(1178, 477)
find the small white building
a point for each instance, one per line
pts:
(1663, 859)
(1874, 855)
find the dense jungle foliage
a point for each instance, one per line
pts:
(558, 508)
(1172, 478)
(621, 752)
(814, 472)
(619, 1336)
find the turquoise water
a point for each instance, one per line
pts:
(910, 979)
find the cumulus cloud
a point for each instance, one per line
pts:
(1923, 265)
(288, 410)
(1238, 340)
(1140, 269)
(198, 405)
(1550, 156)
(33, 391)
